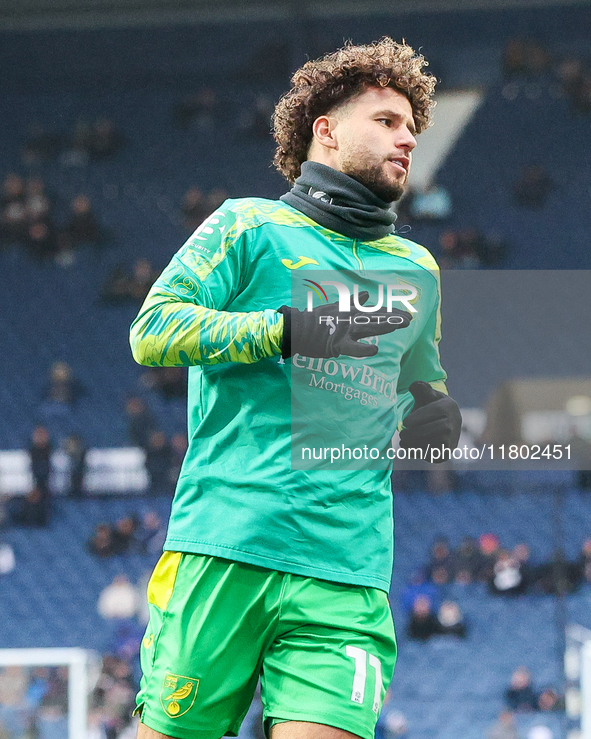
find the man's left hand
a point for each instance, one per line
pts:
(434, 421)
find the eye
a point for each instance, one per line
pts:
(385, 121)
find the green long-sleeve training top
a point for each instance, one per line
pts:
(214, 309)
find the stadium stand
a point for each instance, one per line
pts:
(446, 689)
(50, 598)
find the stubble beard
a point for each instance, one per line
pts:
(358, 165)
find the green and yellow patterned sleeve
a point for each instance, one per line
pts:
(182, 321)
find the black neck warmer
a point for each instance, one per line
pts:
(340, 203)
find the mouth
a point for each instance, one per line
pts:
(400, 163)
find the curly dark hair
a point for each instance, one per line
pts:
(321, 85)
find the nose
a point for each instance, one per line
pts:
(406, 140)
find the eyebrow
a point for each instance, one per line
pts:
(392, 114)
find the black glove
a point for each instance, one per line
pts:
(435, 419)
(324, 332)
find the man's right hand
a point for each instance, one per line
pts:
(326, 332)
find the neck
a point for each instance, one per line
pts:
(340, 203)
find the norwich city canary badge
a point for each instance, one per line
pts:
(178, 694)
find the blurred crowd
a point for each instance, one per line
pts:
(88, 142)
(34, 700)
(528, 59)
(128, 535)
(27, 219)
(505, 571)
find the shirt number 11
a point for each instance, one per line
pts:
(360, 678)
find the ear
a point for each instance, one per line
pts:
(323, 130)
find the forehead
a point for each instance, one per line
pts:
(376, 99)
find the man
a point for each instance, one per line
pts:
(271, 571)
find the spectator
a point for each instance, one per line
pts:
(256, 121)
(469, 561)
(115, 289)
(41, 146)
(118, 600)
(550, 700)
(65, 252)
(128, 638)
(489, 547)
(40, 451)
(144, 606)
(13, 189)
(575, 80)
(471, 249)
(124, 536)
(76, 452)
(113, 696)
(96, 726)
(432, 204)
(493, 250)
(158, 462)
(55, 700)
(169, 382)
(37, 203)
(584, 561)
(13, 213)
(395, 726)
(540, 731)
(38, 686)
(419, 585)
(559, 576)
(581, 99)
(515, 58)
(151, 534)
(82, 226)
(77, 153)
(215, 198)
(532, 187)
(392, 723)
(33, 509)
(520, 695)
(15, 227)
(13, 686)
(63, 387)
(200, 108)
(194, 208)
(507, 578)
(121, 287)
(7, 558)
(104, 140)
(142, 279)
(458, 252)
(423, 623)
(140, 422)
(451, 620)
(472, 241)
(525, 57)
(41, 241)
(101, 543)
(521, 554)
(504, 728)
(441, 567)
